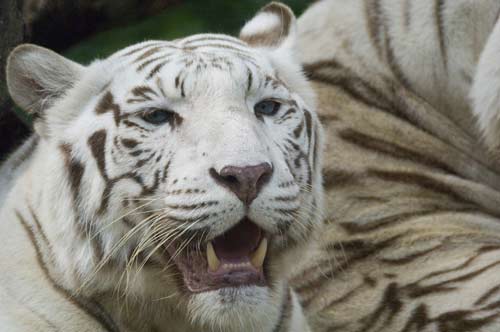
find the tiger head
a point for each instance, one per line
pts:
(193, 165)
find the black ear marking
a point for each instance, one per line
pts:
(260, 31)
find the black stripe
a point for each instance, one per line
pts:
(326, 119)
(97, 144)
(407, 14)
(375, 24)
(357, 250)
(132, 124)
(409, 258)
(250, 79)
(449, 284)
(462, 266)
(356, 227)
(329, 72)
(107, 104)
(338, 178)
(392, 149)
(342, 299)
(387, 309)
(286, 310)
(488, 294)
(156, 69)
(332, 73)
(439, 21)
(235, 51)
(192, 206)
(148, 53)
(309, 128)
(75, 170)
(316, 153)
(419, 319)
(129, 143)
(215, 45)
(143, 47)
(148, 62)
(183, 91)
(421, 180)
(298, 130)
(393, 62)
(214, 38)
(143, 91)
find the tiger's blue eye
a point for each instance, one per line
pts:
(158, 116)
(267, 107)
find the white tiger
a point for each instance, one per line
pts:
(173, 186)
(444, 51)
(412, 238)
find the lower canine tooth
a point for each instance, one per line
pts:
(213, 261)
(260, 254)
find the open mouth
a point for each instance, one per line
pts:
(233, 259)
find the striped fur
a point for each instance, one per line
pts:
(88, 215)
(431, 47)
(413, 233)
(411, 237)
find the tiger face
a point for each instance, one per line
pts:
(197, 160)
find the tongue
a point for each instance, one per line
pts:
(238, 243)
(234, 253)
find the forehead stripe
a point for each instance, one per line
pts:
(107, 104)
(150, 61)
(142, 91)
(149, 52)
(214, 38)
(142, 47)
(156, 69)
(218, 46)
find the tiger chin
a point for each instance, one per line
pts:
(173, 186)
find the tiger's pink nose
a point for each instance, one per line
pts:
(245, 182)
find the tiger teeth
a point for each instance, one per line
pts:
(213, 261)
(259, 255)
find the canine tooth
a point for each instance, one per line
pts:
(213, 261)
(260, 254)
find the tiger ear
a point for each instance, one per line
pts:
(37, 77)
(274, 26)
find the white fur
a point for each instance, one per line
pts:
(471, 52)
(10, 170)
(485, 91)
(219, 128)
(261, 23)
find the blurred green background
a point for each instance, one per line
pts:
(182, 19)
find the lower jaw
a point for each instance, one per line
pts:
(246, 308)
